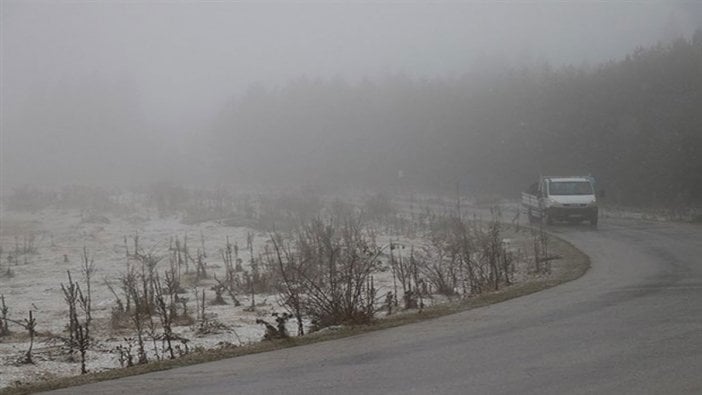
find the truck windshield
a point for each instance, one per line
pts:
(570, 188)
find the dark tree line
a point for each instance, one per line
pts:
(635, 124)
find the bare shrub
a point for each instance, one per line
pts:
(30, 325)
(200, 306)
(126, 353)
(211, 327)
(180, 258)
(200, 265)
(330, 272)
(466, 257)
(259, 277)
(139, 287)
(167, 311)
(79, 327)
(4, 321)
(152, 303)
(406, 270)
(290, 281)
(542, 258)
(231, 282)
(390, 301)
(219, 298)
(440, 261)
(277, 331)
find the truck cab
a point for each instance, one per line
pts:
(571, 199)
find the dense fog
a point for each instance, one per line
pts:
(352, 93)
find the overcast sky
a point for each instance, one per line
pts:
(182, 60)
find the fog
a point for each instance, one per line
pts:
(129, 92)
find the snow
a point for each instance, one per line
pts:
(60, 234)
(59, 239)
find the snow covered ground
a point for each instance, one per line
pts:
(33, 282)
(57, 238)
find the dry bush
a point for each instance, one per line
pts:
(541, 264)
(140, 289)
(277, 331)
(4, 320)
(232, 283)
(79, 312)
(151, 305)
(406, 271)
(326, 273)
(30, 325)
(466, 257)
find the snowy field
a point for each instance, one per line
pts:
(34, 283)
(39, 248)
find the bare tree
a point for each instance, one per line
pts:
(79, 329)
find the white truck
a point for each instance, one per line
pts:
(571, 199)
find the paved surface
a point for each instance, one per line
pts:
(632, 324)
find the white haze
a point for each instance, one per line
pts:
(88, 86)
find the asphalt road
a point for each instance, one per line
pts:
(632, 324)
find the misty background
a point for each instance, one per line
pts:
(354, 93)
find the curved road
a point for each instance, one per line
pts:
(632, 324)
